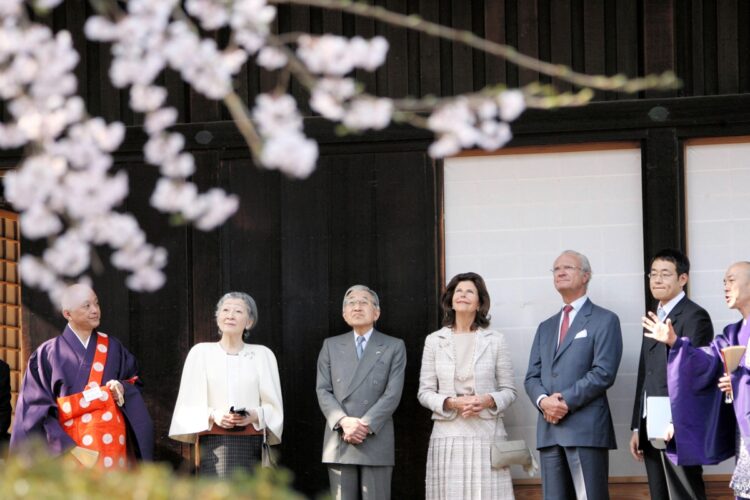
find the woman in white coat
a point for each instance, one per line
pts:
(467, 382)
(230, 394)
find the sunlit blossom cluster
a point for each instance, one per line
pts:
(66, 188)
(466, 122)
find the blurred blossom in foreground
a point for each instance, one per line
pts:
(66, 189)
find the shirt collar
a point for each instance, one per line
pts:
(667, 308)
(366, 335)
(578, 303)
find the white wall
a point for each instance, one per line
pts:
(508, 217)
(717, 179)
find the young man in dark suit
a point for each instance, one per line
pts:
(667, 279)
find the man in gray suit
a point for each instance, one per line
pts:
(359, 384)
(573, 361)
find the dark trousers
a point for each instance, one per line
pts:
(575, 472)
(669, 481)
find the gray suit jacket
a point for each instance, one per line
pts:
(369, 389)
(582, 370)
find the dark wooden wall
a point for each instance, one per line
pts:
(704, 41)
(371, 213)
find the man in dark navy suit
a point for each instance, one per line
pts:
(573, 361)
(667, 279)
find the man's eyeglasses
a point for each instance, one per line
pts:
(357, 302)
(661, 275)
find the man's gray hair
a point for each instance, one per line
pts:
(74, 296)
(582, 259)
(252, 309)
(362, 288)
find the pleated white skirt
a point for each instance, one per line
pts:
(458, 461)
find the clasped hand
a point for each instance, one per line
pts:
(229, 420)
(355, 430)
(470, 406)
(553, 408)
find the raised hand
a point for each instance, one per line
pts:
(658, 330)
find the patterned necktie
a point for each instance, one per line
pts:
(565, 323)
(360, 346)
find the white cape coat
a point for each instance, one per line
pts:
(203, 389)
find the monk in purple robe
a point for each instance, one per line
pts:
(64, 366)
(710, 430)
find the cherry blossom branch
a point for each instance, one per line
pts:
(241, 117)
(619, 83)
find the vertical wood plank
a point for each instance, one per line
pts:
(462, 60)
(396, 66)
(697, 51)
(305, 268)
(528, 37)
(560, 37)
(593, 38)
(663, 192)
(494, 30)
(709, 64)
(658, 38)
(251, 247)
(743, 40)
(682, 37)
(610, 45)
(429, 52)
(544, 33)
(477, 57)
(446, 50)
(578, 53)
(206, 269)
(628, 45)
(406, 262)
(727, 56)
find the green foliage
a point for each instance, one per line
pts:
(38, 476)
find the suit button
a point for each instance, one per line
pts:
(650, 372)
(364, 402)
(554, 374)
(338, 380)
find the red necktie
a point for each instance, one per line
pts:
(565, 323)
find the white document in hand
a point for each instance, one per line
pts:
(658, 420)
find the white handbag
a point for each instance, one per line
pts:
(506, 453)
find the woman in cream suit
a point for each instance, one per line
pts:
(467, 382)
(230, 394)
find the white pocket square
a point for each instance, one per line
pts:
(582, 334)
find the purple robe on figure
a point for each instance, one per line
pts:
(705, 426)
(60, 367)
